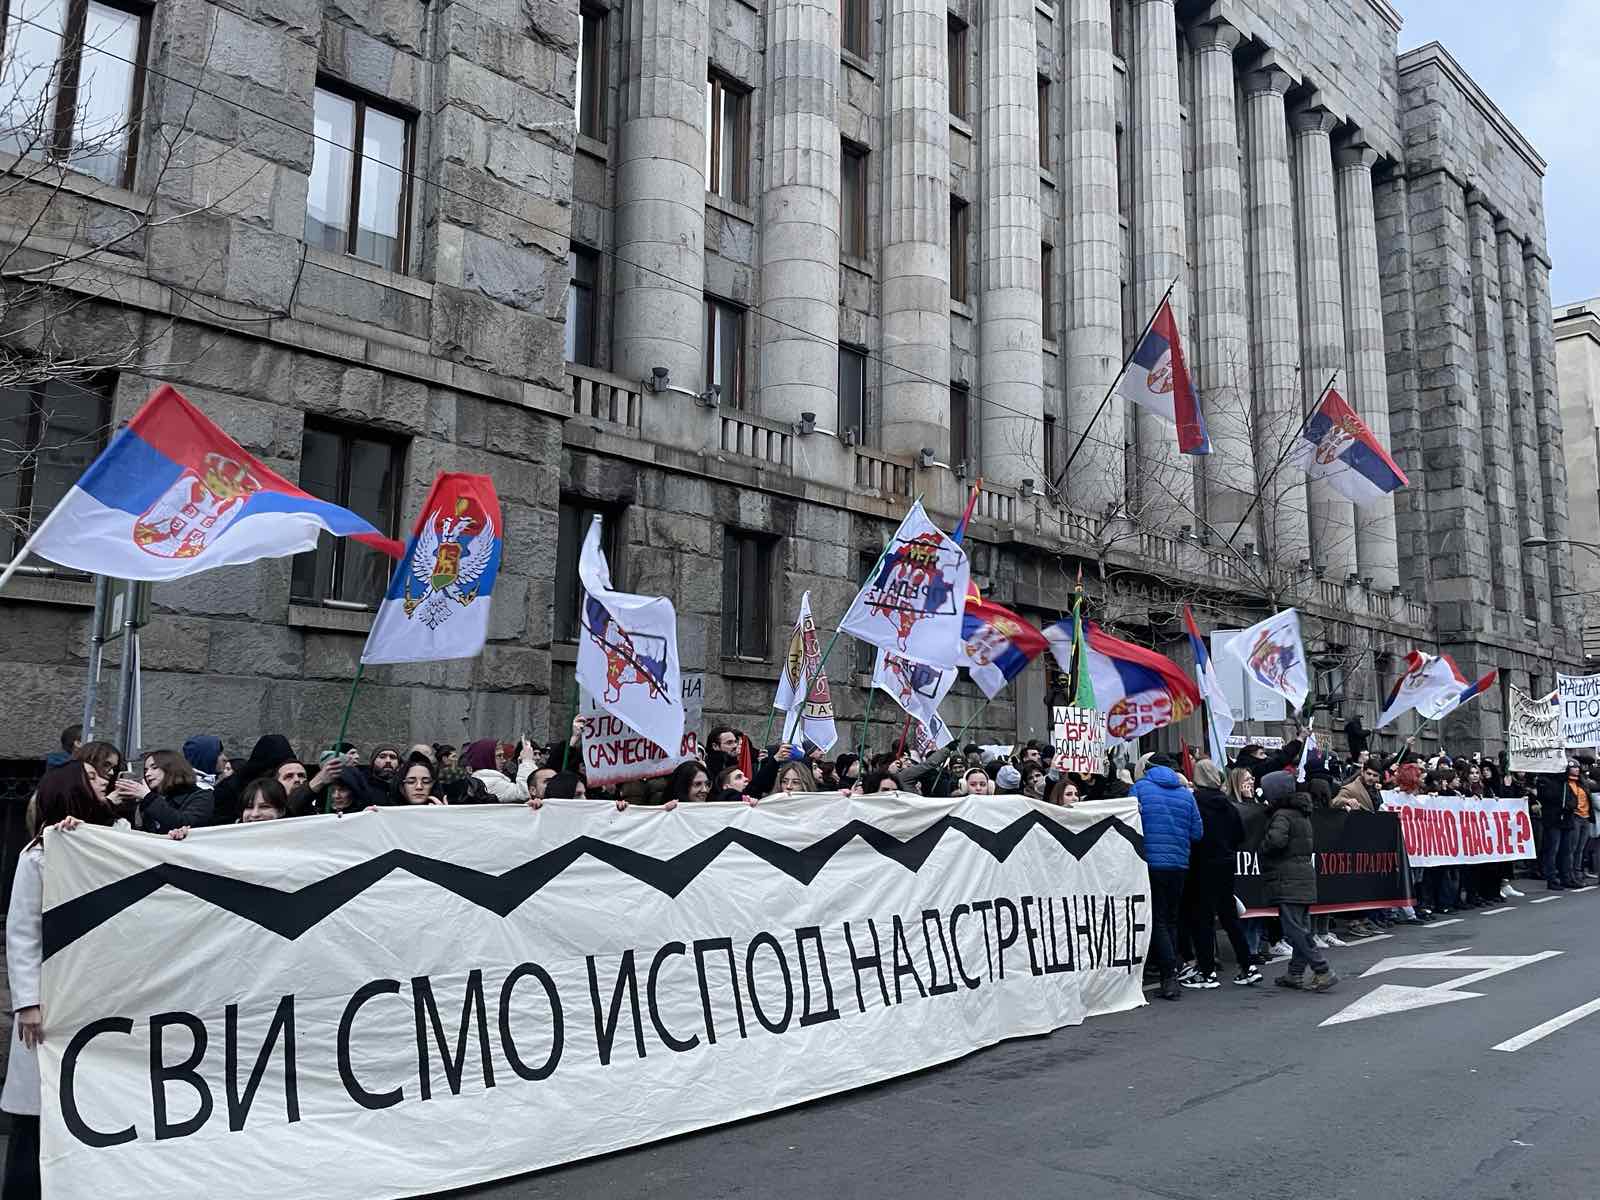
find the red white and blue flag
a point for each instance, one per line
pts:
(1337, 447)
(1139, 690)
(173, 495)
(998, 644)
(1434, 686)
(1156, 378)
(1205, 671)
(1467, 691)
(437, 606)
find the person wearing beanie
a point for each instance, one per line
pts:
(1008, 779)
(203, 752)
(1289, 878)
(1171, 821)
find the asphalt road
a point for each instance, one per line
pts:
(1235, 1092)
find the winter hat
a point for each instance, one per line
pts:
(1277, 785)
(202, 751)
(1009, 778)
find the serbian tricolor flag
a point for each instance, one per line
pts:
(437, 605)
(998, 644)
(1337, 447)
(1449, 704)
(173, 495)
(1156, 378)
(1139, 690)
(1429, 684)
(1205, 670)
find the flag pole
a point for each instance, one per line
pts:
(1055, 484)
(1256, 499)
(838, 629)
(344, 725)
(16, 562)
(866, 717)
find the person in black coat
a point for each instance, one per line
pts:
(1289, 877)
(1558, 804)
(168, 797)
(1355, 734)
(271, 752)
(1209, 893)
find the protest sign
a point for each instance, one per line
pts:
(427, 985)
(613, 753)
(1360, 862)
(1580, 710)
(1448, 831)
(1238, 741)
(1079, 738)
(1533, 733)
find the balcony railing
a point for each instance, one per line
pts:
(883, 473)
(997, 504)
(601, 396)
(761, 438)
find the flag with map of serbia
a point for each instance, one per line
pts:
(173, 495)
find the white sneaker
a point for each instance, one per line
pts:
(1320, 942)
(1280, 949)
(1333, 939)
(1508, 892)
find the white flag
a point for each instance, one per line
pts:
(1430, 685)
(1305, 753)
(628, 652)
(913, 603)
(916, 687)
(1272, 653)
(803, 686)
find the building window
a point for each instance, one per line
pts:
(855, 27)
(958, 249)
(956, 38)
(1047, 289)
(362, 473)
(1051, 452)
(1124, 190)
(573, 521)
(590, 102)
(725, 350)
(1044, 123)
(852, 389)
(727, 138)
(49, 434)
(853, 200)
(358, 203)
(584, 265)
(71, 85)
(866, 652)
(1117, 7)
(746, 594)
(959, 397)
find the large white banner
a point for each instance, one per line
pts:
(1580, 709)
(1533, 733)
(413, 1000)
(1448, 831)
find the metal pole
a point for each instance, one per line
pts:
(125, 678)
(97, 642)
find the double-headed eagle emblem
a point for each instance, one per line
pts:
(445, 566)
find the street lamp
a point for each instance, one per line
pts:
(1538, 543)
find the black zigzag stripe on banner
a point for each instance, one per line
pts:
(291, 913)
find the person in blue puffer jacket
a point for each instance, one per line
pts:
(1171, 821)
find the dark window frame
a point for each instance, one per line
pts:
(1051, 450)
(721, 86)
(566, 625)
(329, 592)
(586, 355)
(747, 559)
(956, 48)
(859, 403)
(23, 520)
(1043, 103)
(855, 28)
(732, 397)
(363, 100)
(1047, 290)
(960, 424)
(960, 235)
(853, 207)
(590, 107)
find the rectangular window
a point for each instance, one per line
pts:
(71, 84)
(958, 249)
(1047, 289)
(1044, 123)
(359, 204)
(727, 138)
(866, 652)
(584, 265)
(852, 389)
(49, 434)
(590, 101)
(956, 37)
(364, 474)
(746, 594)
(1051, 452)
(1116, 28)
(1124, 190)
(855, 27)
(725, 350)
(958, 424)
(573, 521)
(853, 200)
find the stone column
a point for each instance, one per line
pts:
(1333, 535)
(1010, 332)
(1223, 349)
(1166, 487)
(1368, 381)
(1494, 413)
(1524, 422)
(916, 239)
(800, 212)
(1552, 461)
(1093, 259)
(1275, 295)
(661, 190)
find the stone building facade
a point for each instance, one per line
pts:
(1577, 333)
(746, 277)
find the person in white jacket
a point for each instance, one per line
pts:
(479, 759)
(66, 799)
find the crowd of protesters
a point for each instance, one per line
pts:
(1190, 812)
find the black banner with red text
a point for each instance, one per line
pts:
(1360, 857)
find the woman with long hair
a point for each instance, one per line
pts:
(795, 778)
(66, 799)
(169, 796)
(413, 784)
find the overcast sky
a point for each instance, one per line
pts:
(1537, 60)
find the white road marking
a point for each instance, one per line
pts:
(1545, 1030)
(1590, 888)
(1368, 940)
(1495, 912)
(1544, 899)
(1392, 997)
(1443, 923)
